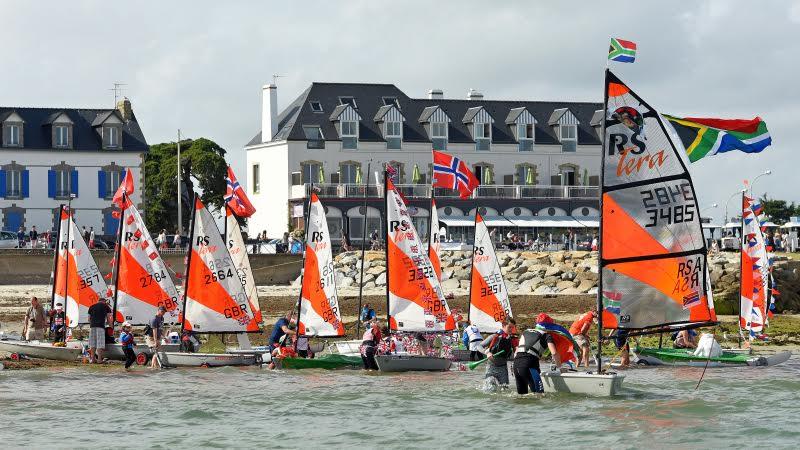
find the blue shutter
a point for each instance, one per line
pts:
(51, 183)
(111, 224)
(73, 181)
(26, 185)
(2, 183)
(101, 183)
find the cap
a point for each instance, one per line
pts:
(126, 325)
(544, 318)
(162, 308)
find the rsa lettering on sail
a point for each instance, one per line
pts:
(687, 282)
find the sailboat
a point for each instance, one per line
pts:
(77, 284)
(318, 306)
(415, 302)
(434, 240)
(214, 298)
(489, 305)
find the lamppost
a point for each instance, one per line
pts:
(766, 172)
(739, 192)
(713, 205)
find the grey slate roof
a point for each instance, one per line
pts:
(369, 98)
(513, 114)
(556, 116)
(597, 118)
(338, 111)
(382, 112)
(471, 113)
(37, 132)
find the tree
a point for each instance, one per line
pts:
(779, 211)
(202, 160)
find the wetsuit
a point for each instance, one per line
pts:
(126, 339)
(532, 344)
(497, 367)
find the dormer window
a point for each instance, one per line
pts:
(479, 122)
(439, 135)
(61, 136)
(525, 137)
(11, 135)
(569, 138)
(522, 124)
(314, 138)
(348, 101)
(393, 134)
(110, 136)
(316, 107)
(436, 123)
(483, 136)
(391, 101)
(349, 134)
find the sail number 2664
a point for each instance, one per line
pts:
(669, 204)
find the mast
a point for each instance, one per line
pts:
(472, 265)
(741, 269)
(188, 261)
(117, 256)
(430, 227)
(363, 250)
(386, 246)
(599, 354)
(303, 264)
(55, 263)
(66, 272)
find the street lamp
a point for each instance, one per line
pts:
(740, 192)
(766, 172)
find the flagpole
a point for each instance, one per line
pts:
(180, 221)
(117, 256)
(363, 250)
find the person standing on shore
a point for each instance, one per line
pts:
(126, 340)
(35, 323)
(580, 332)
(99, 316)
(153, 332)
(34, 236)
(497, 366)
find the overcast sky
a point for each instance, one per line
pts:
(200, 65)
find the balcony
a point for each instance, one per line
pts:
(424, 191)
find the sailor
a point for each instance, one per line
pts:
(58, 330)
(532, 345)
(492, 346)
(580, 332)
(472, 339)
(685, 339)
(126, 339)
(369, 345)
(281, 328)
(621, 341)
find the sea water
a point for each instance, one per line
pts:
(232, 407)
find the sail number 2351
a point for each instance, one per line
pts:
(669, 204)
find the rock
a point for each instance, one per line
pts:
(552, 271)
(571, 291)
(520, 269)
(376, 270)
(585, 285)
(526, 276)
(368, 277)
(346, 282)
(527, 286)
(380, 280)
(591, 276)
(512, 286)
(593, 291)
(461, 274)
(569, 276)
(512, 255)
(544, 290)
(561, 285)
(557, 257)
(447, 274)
(551, 281)
(450, 285)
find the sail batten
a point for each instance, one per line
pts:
(653, 264)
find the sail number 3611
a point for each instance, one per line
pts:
(665, 205)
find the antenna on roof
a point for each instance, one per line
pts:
(117, 91)
(275, 78)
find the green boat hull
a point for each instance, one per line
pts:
(680, 355)
(332, 361)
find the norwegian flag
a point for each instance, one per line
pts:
(125, 187)
(452, 173)
(235, 197)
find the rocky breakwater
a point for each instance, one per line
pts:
(724, 271)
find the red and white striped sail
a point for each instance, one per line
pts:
(755, 286)
(435, 241)
(78, 282)
(214, 295)
(319, 304)
(238, 251)
(144, 282)
(488, 298)
(416, 302)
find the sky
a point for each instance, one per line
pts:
(200, 65)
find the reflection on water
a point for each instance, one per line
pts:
(235, 407)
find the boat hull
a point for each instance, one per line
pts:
(681, 357)
(584, 383)
(349, 347)
(114, 351)
(41, 350)
(328, 362)
(178, 359)
(411, 363)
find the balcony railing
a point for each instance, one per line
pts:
(424, 191)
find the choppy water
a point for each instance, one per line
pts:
(183, 408)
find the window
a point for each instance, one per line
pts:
(391, 101)
(11, 135)
(110, 137)
(483, 136)
(314, 137)
(61, 136)
(348, 101)
(63, 183)
(394, 135)
(256, 178)
(347, 172)
(526, 174)
(349, 134)
(439, 135)
(14, 183)
(525, 137)
(483, 172)
(310, 172)
(569, 138)
(316, 107)
(113, 180)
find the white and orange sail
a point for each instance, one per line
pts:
(489, 305)
(238, 251)
(415, 299)
(143, 280)
(653, 253)
(78, 282)
(319, 304)
(755, 274)
(434, 241)
(214, 298)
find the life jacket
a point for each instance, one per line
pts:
(287, 352)
(532, 342)
(474, 333)
(578, 324)
(501, 342)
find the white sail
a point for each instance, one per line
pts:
(238, 251)
(435, 241)
(489, 305)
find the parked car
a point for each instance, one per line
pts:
(8, 239)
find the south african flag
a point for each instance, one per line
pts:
(622, 51)
(702, 136)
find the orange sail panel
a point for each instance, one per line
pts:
(238, 251)
(78, 282)
(754, 272)
(488, 298)
(416, 302)
(653, 253)
(144, 282)
(435, 241)
(319, 304)
(215, 298)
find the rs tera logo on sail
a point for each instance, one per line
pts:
(631, 157)
(204, 245)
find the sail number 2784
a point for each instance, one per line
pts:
(669, 204)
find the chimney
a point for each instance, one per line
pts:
(124, 108)
(474, 95)
(435, 94)
(269, 112)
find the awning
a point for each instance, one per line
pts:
(711, 226)
(458, 221)
(556, 222)
(497, 221)
(730, 225)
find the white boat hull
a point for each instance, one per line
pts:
(114, 351)
(586, 383)
(352, 348)
(178, 359)
(411, 363)
(42, 350)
